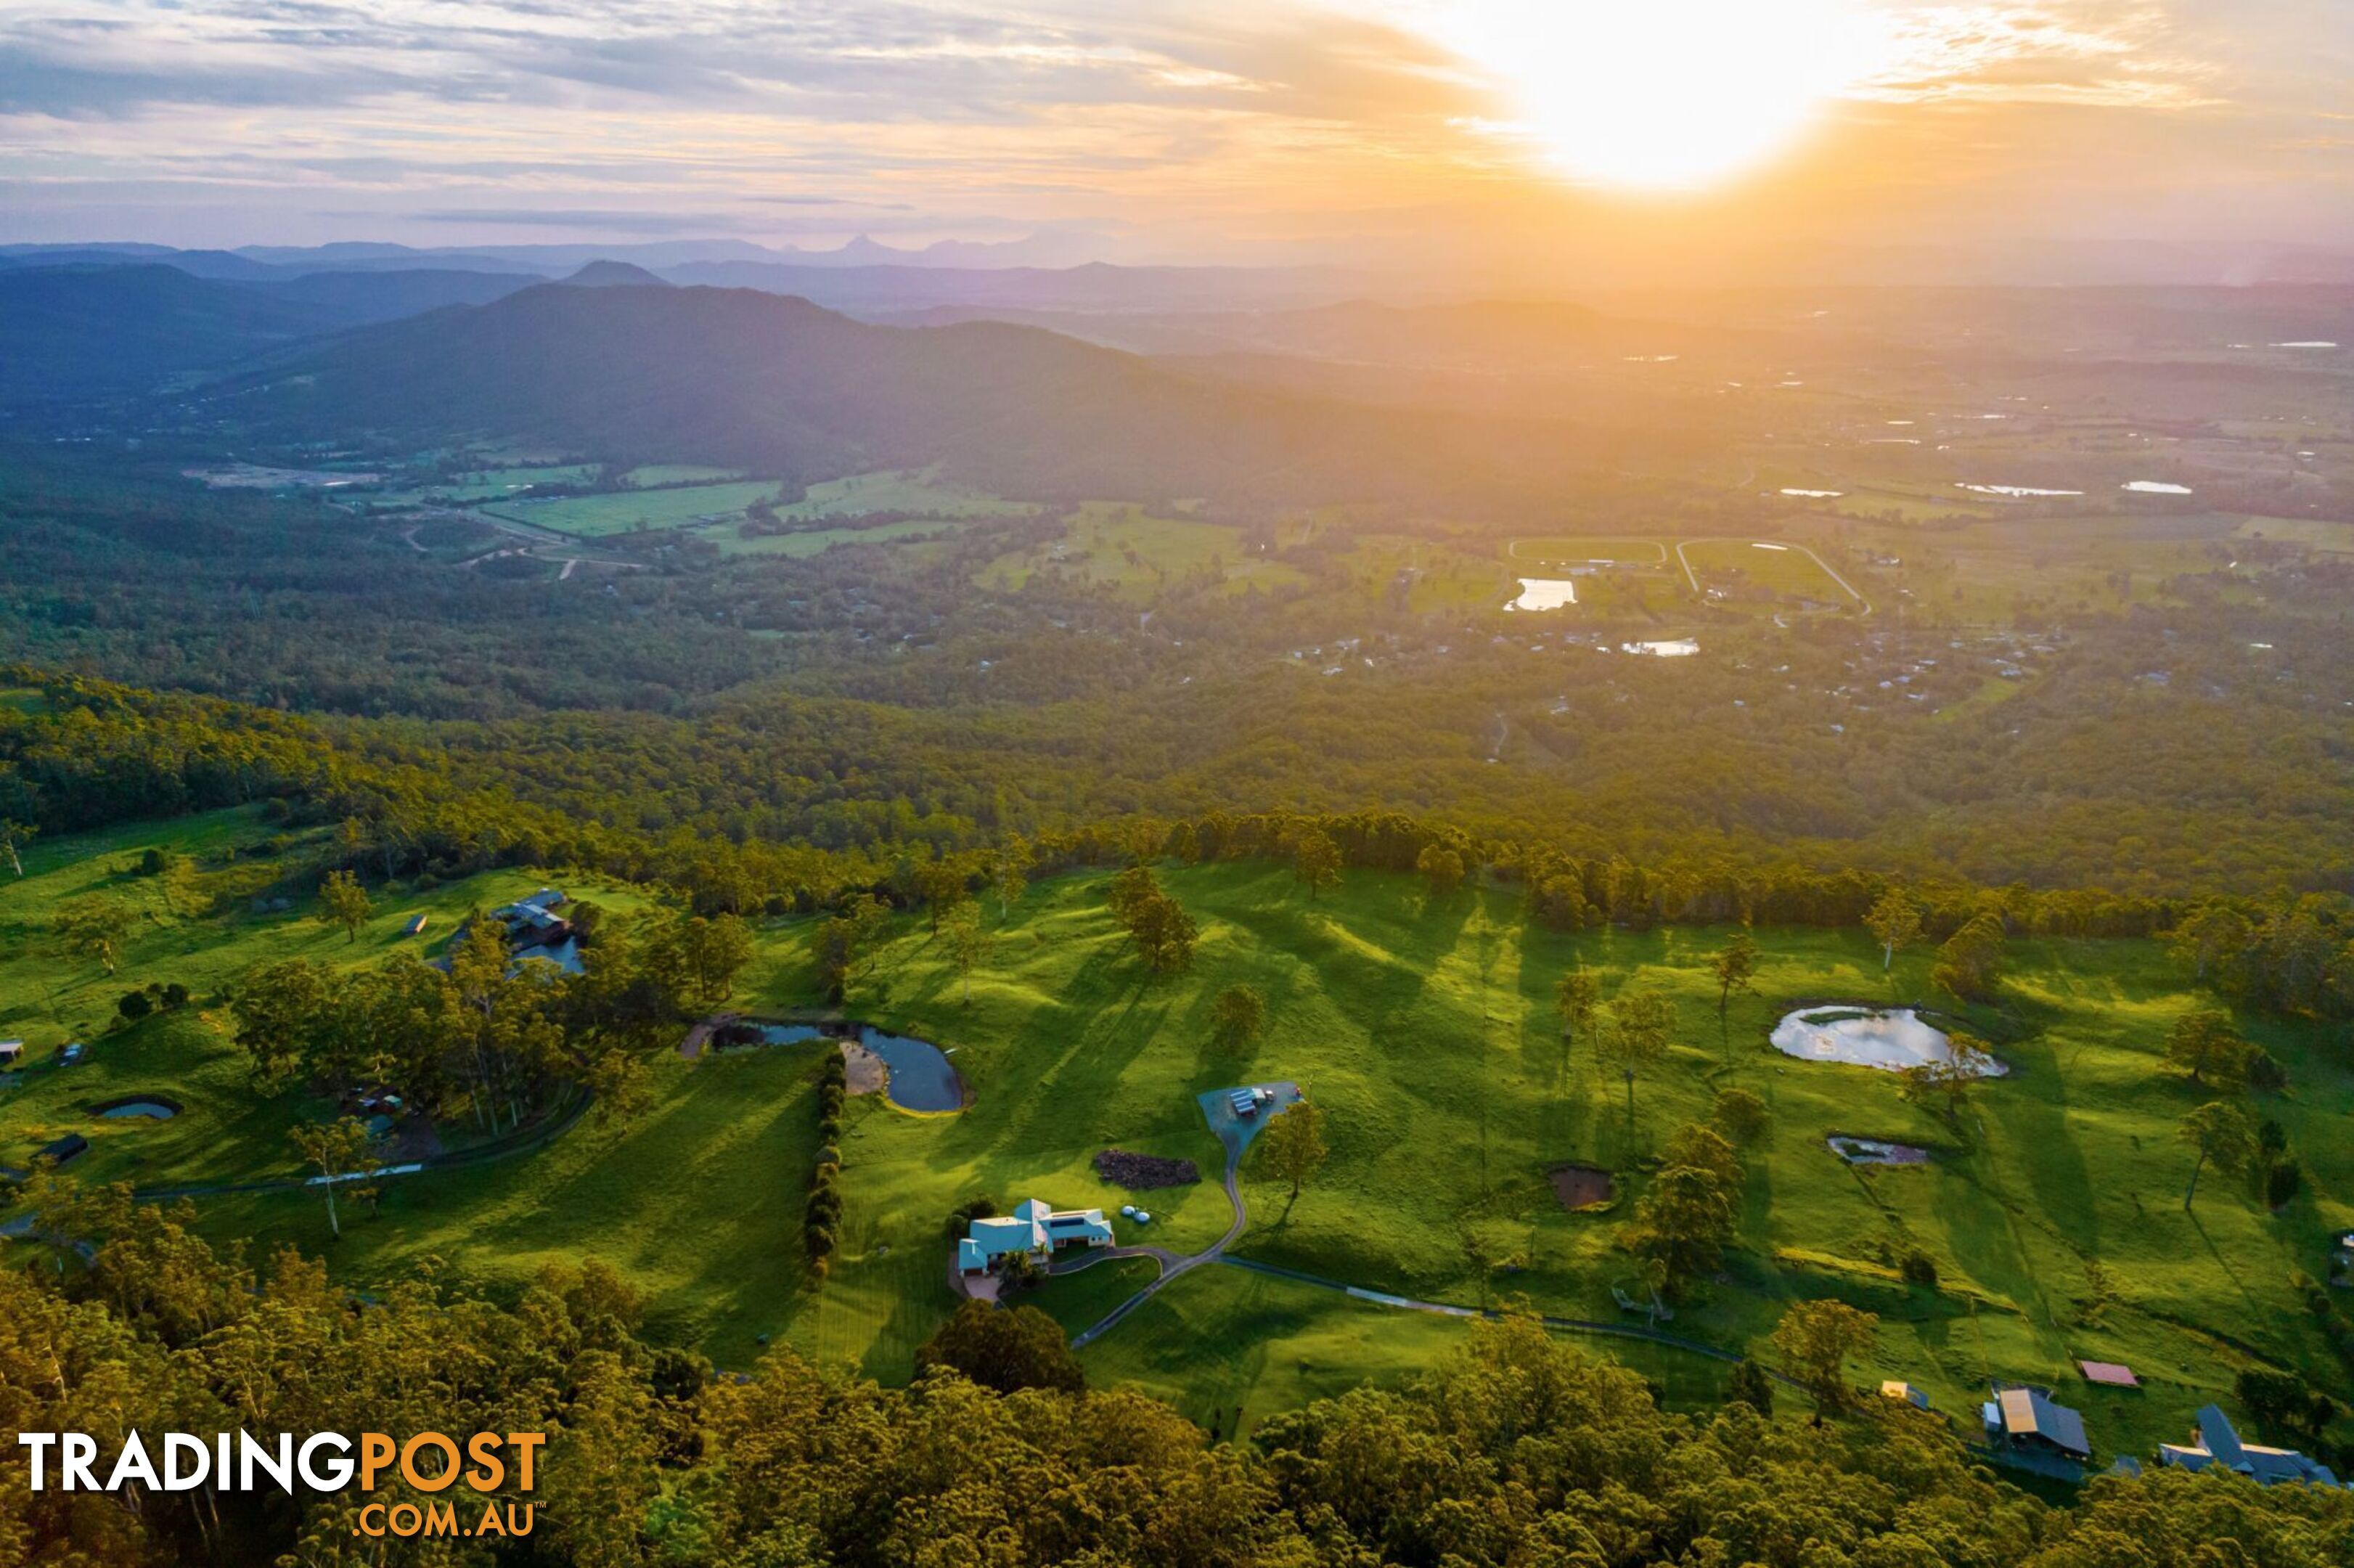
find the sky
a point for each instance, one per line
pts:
(1506, 136)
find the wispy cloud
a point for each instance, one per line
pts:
(1280, 119)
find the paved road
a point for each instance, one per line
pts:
(1172, 1264)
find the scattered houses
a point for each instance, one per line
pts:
(1896, 1389)
(12, 1053)
(2215, 1442)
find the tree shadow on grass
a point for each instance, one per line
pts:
(2031, 1109)
(2255, 1307)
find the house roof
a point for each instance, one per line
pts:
(2113, 1374)
(1079, 1225)
(1033, 1227)
(999, 1235)
(2219, 1443)
(2027, 1412)
(1897, 1389)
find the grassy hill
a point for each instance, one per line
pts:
(1425, 1031)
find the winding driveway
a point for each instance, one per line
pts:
(1172, 1264)
(1236, 1138)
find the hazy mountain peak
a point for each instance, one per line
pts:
(615, 275)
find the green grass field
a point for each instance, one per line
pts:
(888, 491)
(1426, 1032)
(1439, 578)
(2319, 535)
(660, 473)
(1125, 548)
(630, 511)
(1779, 568)
(201, 931)
(1281, 1344)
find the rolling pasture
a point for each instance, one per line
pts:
(636, 511)
(2051, 1209)
(1126, 548)
(898, 490)
(1784, 570)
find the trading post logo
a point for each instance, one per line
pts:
(325, 1462)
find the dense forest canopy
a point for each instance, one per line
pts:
(1514, 1449)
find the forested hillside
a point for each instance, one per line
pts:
(1514, 1449)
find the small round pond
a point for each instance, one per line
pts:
(150, 1108)
(1893, 1038)
(918, 1075)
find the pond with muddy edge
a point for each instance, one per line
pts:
(917, 1074)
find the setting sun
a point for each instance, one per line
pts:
(1672, 94)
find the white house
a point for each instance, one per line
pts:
(1032, 1229)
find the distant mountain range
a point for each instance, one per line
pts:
(862, 278)
(78, 331)
(1042, 383)
(741, 378)
(1041, 250)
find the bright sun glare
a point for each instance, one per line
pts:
(1662, 94)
